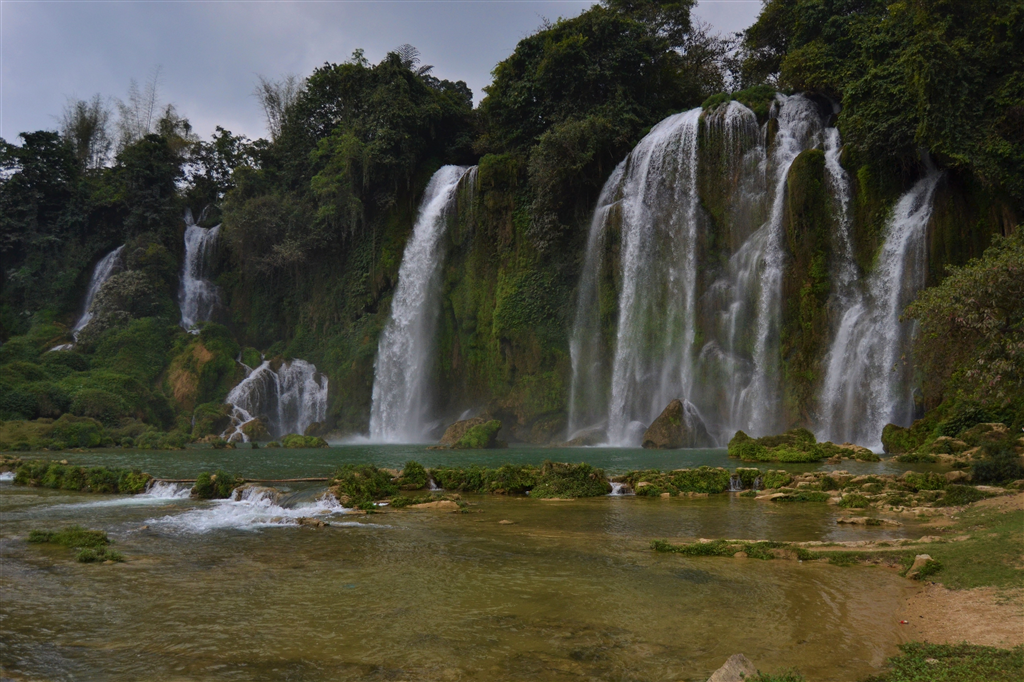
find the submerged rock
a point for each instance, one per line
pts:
(737, 669)
(585, 438)
(678, 426)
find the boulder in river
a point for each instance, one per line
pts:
(678, 426)
(737, 669)
(475, 433)
(454, 433)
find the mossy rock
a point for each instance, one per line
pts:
(294, 440)
(562, 480)
(216, 486)
(257, 430)
(796, 445)
(481, 436)
(210, 418)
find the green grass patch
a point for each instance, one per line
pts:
(91, 545)
(918, 662)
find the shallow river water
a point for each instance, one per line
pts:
(569, 591)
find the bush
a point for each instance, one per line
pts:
(75, 537)
(796, 445)
(358, 484)
(570, 480)
(701, 480)
(775, 478)
(293, 440)
(854, 501)
(216, 486)
(97, 404)
(959, 495)
(1001, 464)
(480, 436)
(916, 482)
(414, 477)
(88, 556)
(69, 477)
(78, 432)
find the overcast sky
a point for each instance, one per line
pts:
(209, 52)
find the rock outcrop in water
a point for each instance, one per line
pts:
(678, 426)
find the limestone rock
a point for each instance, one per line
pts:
(678, 426)
(440, 505)
(986, 433)
(737, 669)
(456, 431)
(957, 476)
(919, 562)
(311, 522)
(585, 438)
(256, 429)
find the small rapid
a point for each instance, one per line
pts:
(251, 508)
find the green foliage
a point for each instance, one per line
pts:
(807, 496)
(971, 340)
(958, 495)
(757, 98)
(1000, 464)
(891, 66)
(562, 480)
(293, 440)
(360, 484)
(480, 436)
(854, 501)
(89, 556)
(75, 537)
(414, 477)
(45, 474)
(797, 445)
(921, 662)
(510, 479)
(217, 486)
(916, 482)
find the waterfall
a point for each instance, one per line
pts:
(105, 268)
(401, 400)
(289, 398)
(197, 296)
(865, 384)
(699, 311)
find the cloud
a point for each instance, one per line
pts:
(209, 53)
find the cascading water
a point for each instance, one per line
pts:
(289, 399)
(197, 296)
(104, 270)
(865, 386)
(670, 296)
(401, 400)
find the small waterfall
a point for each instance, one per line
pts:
(619, 489)
(401, 399)
(735, 484)
(197, 296)
(105, 268)
(289, 398)
(866, 386)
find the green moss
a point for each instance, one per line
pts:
(414, 477)
(45, 474)
(511, 479)
(75, 537)
(564, 480)
(797, 445)
(89, 556)
(480, 436)
(921, 662)
(217, 486)
(359, 484)
(294, 440)
(854, 501)
(958, 495)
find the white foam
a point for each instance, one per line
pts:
(257, 508)
(7, 476)
(159, 493)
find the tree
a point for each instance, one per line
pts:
(136, 116)
(86, 125)
(275, 97)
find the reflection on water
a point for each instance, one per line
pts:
(237, 591)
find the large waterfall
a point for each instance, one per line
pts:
(197, 296)
(688, 328)
(105, 268)
(866, 384)
(401, 399)
(289, 396)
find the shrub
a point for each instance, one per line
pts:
(959, 495)
(78, 432)
(362, 483)
(558, 479)
(854, 501)
(293, 440)
(414, 477)
(480, 436)
(69, 477)
(796, 445)
(216, 486)
(916, 482)
(775, 478)
(98, 404)
(88, 556)
(1001, 464)
(701, 480)
(75, 537)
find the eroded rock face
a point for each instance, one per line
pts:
(678, 426)
(737, 669)
(454, 433)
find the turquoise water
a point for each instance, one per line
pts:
(288, 463)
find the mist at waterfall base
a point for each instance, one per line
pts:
(402, 400)
(711, 336)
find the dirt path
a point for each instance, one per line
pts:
(984, 615)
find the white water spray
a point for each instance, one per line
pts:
(290, 398)
(866, 384)
(401, 399)
(197, 296)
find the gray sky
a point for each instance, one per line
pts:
(210, 51)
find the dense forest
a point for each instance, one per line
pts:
(315, 217)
